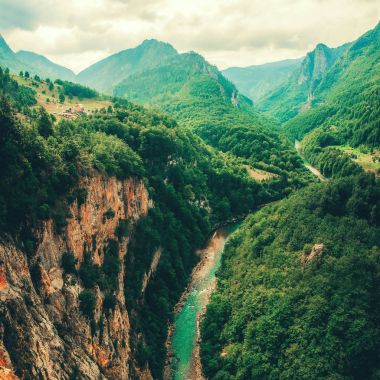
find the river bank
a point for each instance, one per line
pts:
(183, 362)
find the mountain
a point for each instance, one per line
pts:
(298, 289)
(101, 220)
(258, 80)
(107, 73)
(345, 112)
(297, 93)
(32, 62)
(8, 58)
(181, 78)
(43, 67)
(346, 102)
(196, 94)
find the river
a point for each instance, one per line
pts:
(184, 342)
(314, 170)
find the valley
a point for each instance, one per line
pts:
(123, 252)
(184, 359)
(312, 169)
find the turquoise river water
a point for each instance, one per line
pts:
(184, 339)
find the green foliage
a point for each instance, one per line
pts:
(110, 301)
(123, 228)
(111, 266)
(19, 96)
(45, 124)
(69, 262)
(109, 214)
(198, 95)
(89, 273)
(105, 74)
(352, 119)
(71, 89)
(275, 315)
(330, 161)
(87, 303)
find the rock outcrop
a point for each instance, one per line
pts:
(43, 334)
(315, 253)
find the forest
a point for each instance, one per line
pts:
(282, 311)
(297, 293)
(193, 187)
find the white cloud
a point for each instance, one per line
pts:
(76, 33)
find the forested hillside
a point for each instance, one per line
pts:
(298, 292)
(346, 111)
(103, 212)
(298, 93)
(192, 187)
(197, 94)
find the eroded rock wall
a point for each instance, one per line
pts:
(43, 334)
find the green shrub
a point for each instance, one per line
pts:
(122, 230)
(109, 301)
(89, 272)
(68, 262)
(87, 303)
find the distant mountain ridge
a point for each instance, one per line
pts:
(346, 102)
(44, 67)
(108, 72)
(297, 92)
(256, 81)
(32, 62)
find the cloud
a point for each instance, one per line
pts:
(76, 33)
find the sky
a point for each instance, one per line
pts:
(77, 33)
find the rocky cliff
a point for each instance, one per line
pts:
(43, 333)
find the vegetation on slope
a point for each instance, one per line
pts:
(298, 288)
(198, 95)
(282, 312)
(192, 186)
(297, 94)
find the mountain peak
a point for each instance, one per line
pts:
(4, 47)
(154, 44)
(321, 46)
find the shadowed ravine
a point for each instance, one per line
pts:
(184, 344)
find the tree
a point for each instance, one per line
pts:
(87, 303)
(27, 75)
(45, 125)
(51, 86)
(61, 98)
(21, 74)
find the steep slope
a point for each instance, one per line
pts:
(43, 67)
(258, 80)
(346, 110)
(8, 58)
(200, 97)
(298, 291)
(105, 74)
(32, 62)
(298, 92)
(100, 221)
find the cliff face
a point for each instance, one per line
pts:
(43, 334)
